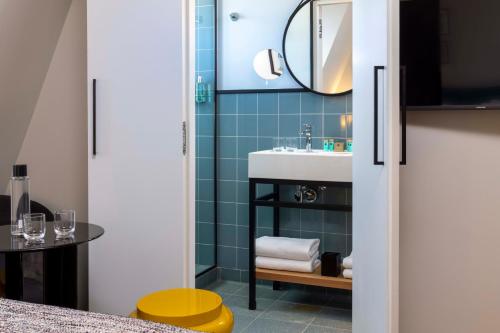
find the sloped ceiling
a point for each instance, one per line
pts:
(29, 32)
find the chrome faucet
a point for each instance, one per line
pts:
(307, 131)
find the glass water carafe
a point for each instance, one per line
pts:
(19, 198)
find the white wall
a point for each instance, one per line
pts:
(450, 223)
(43, 99)
(55, 146)
(29, 31)
(261, 26)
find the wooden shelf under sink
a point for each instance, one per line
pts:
(312, 279)
(273, 200)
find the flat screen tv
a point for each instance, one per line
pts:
(450, 53)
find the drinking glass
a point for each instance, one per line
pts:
(34, 226)
(278, 144)
(62, 240)
(291, 144)
(64, 222)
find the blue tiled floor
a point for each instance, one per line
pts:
(287, 311)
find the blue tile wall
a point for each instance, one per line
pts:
(205, 131)
(248, 122)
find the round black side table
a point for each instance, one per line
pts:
(52, 272)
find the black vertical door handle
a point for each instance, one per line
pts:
(403, 114)
(94, 116)
(376, 160)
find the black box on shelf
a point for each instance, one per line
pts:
(331, 264)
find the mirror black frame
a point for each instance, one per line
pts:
(290, 19)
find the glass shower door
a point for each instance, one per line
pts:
(205, 78)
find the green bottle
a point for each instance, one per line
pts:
(201, 91)
(325, 145)
(331, 145)
(349, 145)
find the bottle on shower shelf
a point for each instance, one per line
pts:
(201, 90)
(19, 198)
(210, 93)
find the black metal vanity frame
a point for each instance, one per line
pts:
(273, 200)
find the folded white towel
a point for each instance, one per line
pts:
(347, 262)
(287, 264)
(286, 248)
(347, 273)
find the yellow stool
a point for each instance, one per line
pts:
(195, 309)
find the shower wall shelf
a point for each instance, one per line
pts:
(273, 200)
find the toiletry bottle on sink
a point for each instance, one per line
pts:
(349, 145)
(331, 145)
(325, 145)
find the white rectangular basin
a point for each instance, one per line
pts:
(317, 165)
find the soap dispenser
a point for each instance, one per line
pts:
(201, 90)
(19, 198)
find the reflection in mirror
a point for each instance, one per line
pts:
(268, 65)
(320, 31)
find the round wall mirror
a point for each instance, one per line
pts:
(317, 46)
(268, 64)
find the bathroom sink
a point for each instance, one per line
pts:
(317, 165)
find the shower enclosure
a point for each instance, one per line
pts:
(206, 149)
